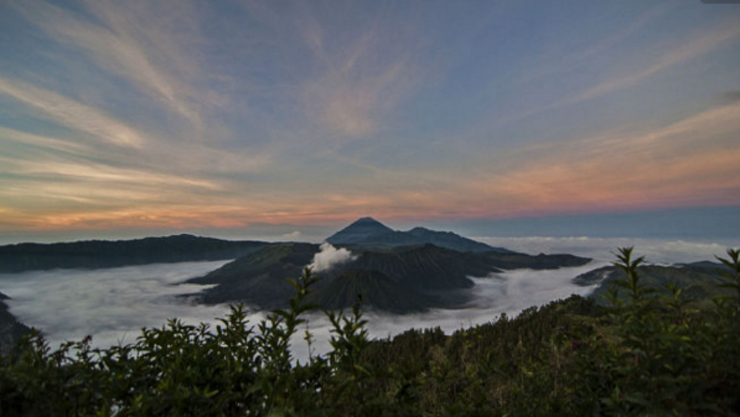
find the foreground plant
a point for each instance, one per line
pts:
(673, 360)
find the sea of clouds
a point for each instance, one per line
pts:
(114, 304)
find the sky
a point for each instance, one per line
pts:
(290, 118)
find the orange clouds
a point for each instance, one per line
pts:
(695, 161)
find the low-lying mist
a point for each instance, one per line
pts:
(110, 304)
(114, 304)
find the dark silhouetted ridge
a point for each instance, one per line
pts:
(92, 254)
(454, 241)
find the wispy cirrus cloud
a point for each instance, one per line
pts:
(45, 142)
(355, 107)
(692, 161)
(702, 44)
(358, 85)
(73, 114)
(650, 168)
(570, 57)
(135, 43)
(664, 59)
(106, 174)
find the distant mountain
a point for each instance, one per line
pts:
(400, 279)
(370, 233)
(94, 254)
(11, 330)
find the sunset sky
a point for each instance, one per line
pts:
(136, 116)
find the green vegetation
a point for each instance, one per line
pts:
(648, 353)
(11, 330)
(698, 281)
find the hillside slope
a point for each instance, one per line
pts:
(698, 281)
(400, 279)
(377, 291)
(258, 278)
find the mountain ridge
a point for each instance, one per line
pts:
(94, 254)
(369, 232)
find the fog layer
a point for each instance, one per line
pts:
(114, 304)
(110, 304)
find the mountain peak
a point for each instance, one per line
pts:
(359, 231)
(367, 221)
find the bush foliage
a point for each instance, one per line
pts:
(647, 354)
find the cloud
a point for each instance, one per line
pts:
(45, 142)
(564, 60)
(358, 85)
(292, 235)
(702, 44)
(111, 304)
(328, 257)
(134, 42)
(98, 173)
(73, 114)
(352, 105)
(684, 52)
(690, 161)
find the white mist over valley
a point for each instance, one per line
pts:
(114, 304)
